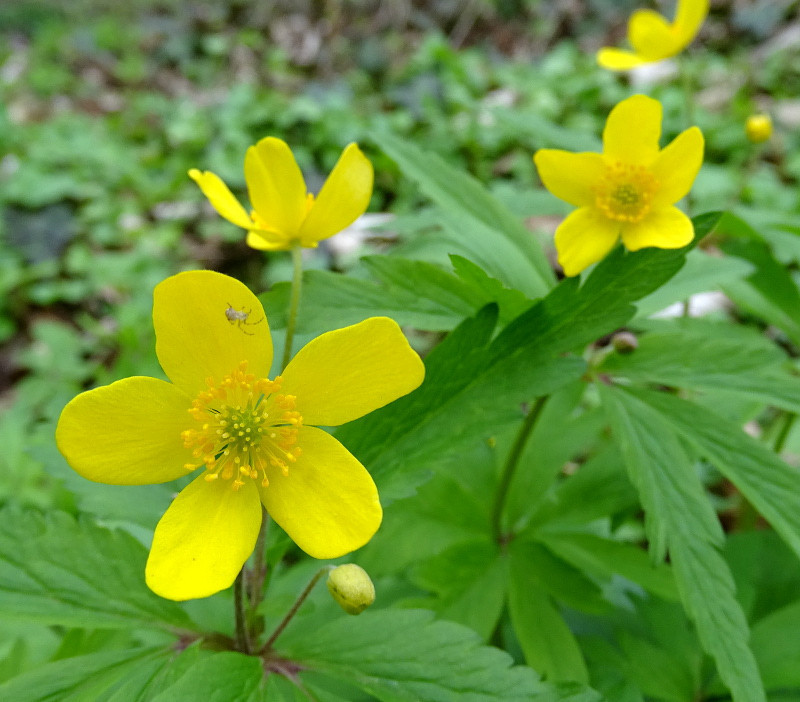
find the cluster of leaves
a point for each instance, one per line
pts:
(628, 448)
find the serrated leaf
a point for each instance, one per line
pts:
(479, 219)
(405, 656)
(604, 557)
(709, 356)
(702, 273)
(57, 570)
(464, 400)
(484, 385)
(220, 677)
(680, 517)
(763, 478)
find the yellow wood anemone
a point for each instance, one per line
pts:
(284, 214)
(254, 439)
(626, 192)
(653, 38)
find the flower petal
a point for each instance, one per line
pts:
(618, 60)
(632, 131)
(688, 18)
(666, 228)
(255, 240)
(126, 433)
(583, 238)
(676, 167)
(343, 199)
(195, 336)
(328, 503)
(276, 186)
(651, 36)
(221, 198)
(203, 539)
(344, 374)
(569, 176)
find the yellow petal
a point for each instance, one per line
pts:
(195, 335)
(583, 238)
(651, 36)
(328, 503)
(203, 539)
(344, 374)
(255, 240)
(666, 228)
(632, 131)
(570, 177)
(221, 198)
(343, 199)
(689, 17)
(618, 60)
(126, 433)
(276, 186)
(676, 167)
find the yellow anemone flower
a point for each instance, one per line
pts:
(249, 434)
(284, 215)
(627, 191)
(653, 38)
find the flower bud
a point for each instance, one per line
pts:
(758, 128)
(624, 342)
(351, 587)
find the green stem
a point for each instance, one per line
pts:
(294, 304)
(783, 434)
(297, 604)
(259, 572)
(242, 635)
(510, 467)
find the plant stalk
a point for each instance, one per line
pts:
(294, 303)
(242, 634)
(297, 604)
(510, 467)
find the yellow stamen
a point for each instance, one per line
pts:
(244, 425)
(626, 192)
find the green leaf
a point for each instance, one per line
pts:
(89, 678)
(770, 485)
(220, 677)
(405, 656)
(701, 273)
(57, 570)
(604, 558)
(680, 517)
(470, 582)
(479, 221)
(709, 356)
(479, 388)
(472, 385)
(548, 644)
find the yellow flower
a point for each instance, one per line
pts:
(249, 434)
(758, 128)
(653, 38)
(627, 191)
(284, 215)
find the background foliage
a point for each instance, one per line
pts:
(104, 107)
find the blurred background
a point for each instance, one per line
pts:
(104, 106)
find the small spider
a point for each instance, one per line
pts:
(240, 318)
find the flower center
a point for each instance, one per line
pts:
(626, 192)
(243, 426)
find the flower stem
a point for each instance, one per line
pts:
(510, 467)
(259, 572)
(242, 635)
(294, 303)
(297, 604)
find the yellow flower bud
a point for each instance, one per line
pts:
(351, 587)
(758, 128)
